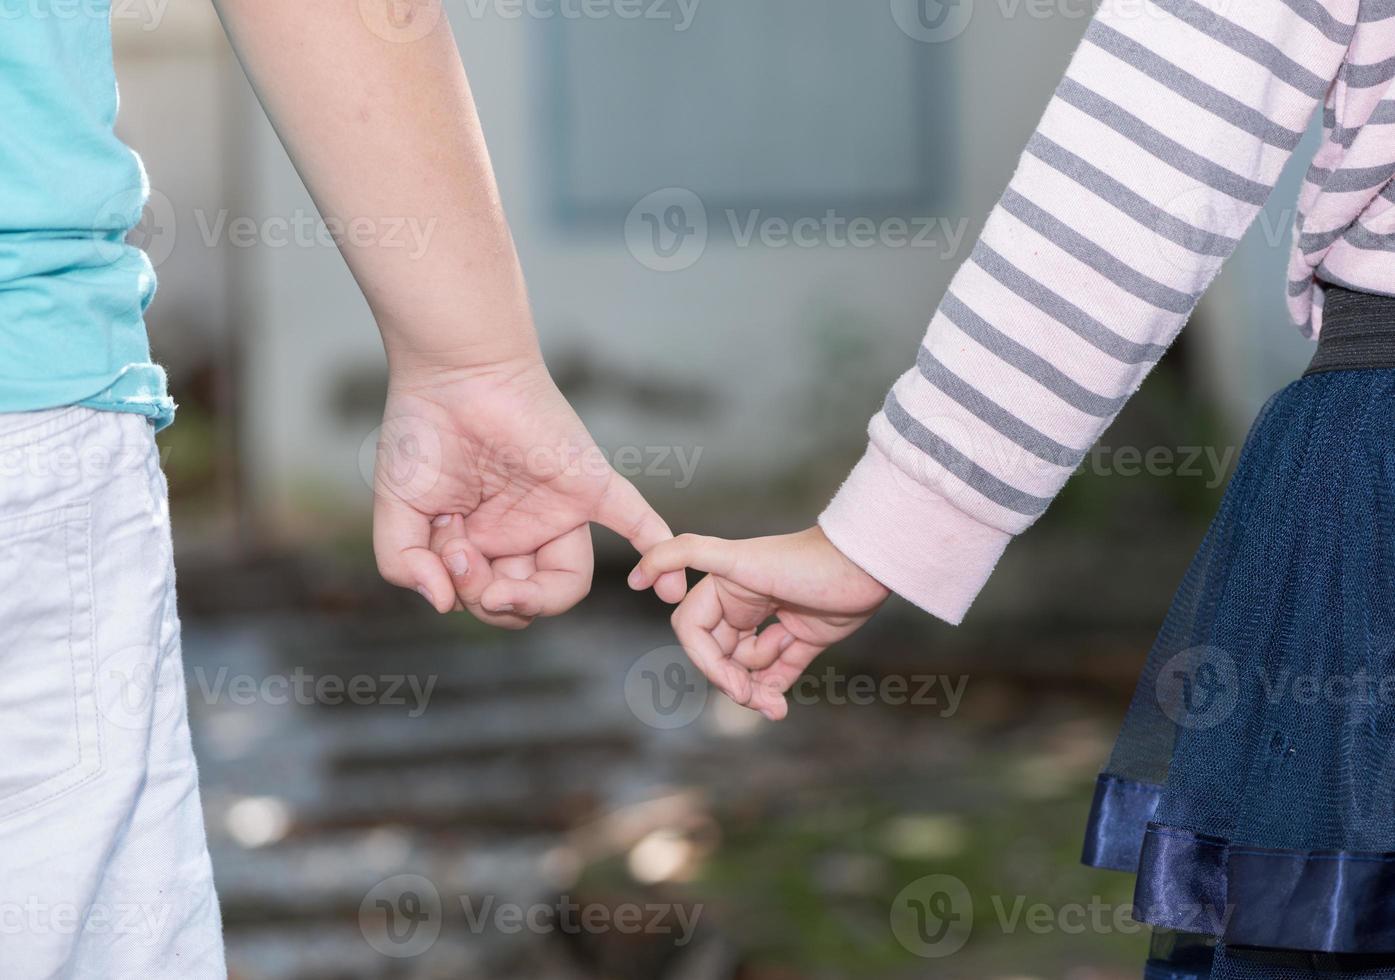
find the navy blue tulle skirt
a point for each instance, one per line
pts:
(1252, 788)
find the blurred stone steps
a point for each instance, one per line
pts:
(331, 873)
(334, 951)
(575, 751)
(478, 786)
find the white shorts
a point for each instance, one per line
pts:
(104, 868)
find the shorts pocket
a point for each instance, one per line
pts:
(49, 734)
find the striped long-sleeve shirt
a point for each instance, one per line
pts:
(1157, 151)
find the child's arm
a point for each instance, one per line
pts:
(382, 127)
(817, 594)
(1159, 148)
(378, 117)
(1156, 153)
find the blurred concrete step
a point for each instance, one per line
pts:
(331, 874)
(340, 951)
(576, 751)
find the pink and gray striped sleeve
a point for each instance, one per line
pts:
(1157, 151)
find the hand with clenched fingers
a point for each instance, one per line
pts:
(815, 593)
(486, 484)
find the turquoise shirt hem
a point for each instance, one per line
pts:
(73, 286)
(140, 389)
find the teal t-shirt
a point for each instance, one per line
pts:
(73, 293)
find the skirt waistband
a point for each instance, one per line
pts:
(1358, 331)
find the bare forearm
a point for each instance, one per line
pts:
(385, 134)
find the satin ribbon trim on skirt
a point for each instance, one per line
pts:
(1322, 901)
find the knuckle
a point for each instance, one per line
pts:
(389, 568)
(581, 590)
(687, 544)
(639, 526)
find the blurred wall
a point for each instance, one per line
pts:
(747, 339)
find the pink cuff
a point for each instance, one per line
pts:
(911, 539)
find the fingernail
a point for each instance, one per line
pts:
(440, 520)
(457, 563)
(634, 579)
(426, 594)
(785, 643)
(506, 607)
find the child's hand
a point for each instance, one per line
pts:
(818, 595)
(501, 448)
